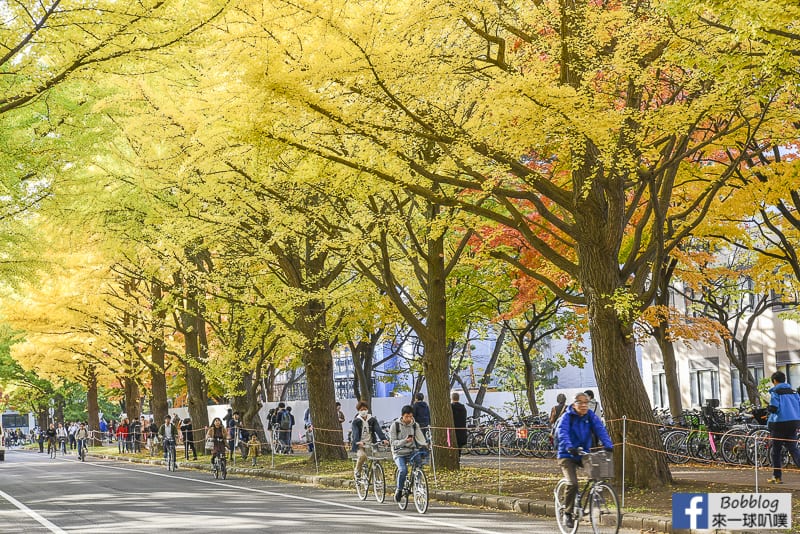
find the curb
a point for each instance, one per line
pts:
(644, 523)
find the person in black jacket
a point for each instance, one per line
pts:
(459, 420)
(422, 414)
(188, 438)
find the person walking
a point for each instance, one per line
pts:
(783, 422)
(459, 420)
(422, 414)
(592, 402)
(188, 439)
(576, 430)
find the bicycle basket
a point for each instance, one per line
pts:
(422, 457)
(599, 465)
(380, 452)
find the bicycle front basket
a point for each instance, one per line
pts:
(599, 465)
(380, 452)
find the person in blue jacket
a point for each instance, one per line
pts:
(577, 429)
(783, 421)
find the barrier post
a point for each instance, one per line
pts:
(313, 445)
(624, 445)
(755, 459)
(499, 466)
(429, 433)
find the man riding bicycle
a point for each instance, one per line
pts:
(169, 435)
(575, 430)
(405, 436)
(81, 437)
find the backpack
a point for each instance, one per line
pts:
(285, 421)
(555, 428)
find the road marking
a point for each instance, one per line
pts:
(404, 517)
(44, 522)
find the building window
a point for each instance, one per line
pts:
(660, 396)
(704, 385)
(13, 420)
(737, 387)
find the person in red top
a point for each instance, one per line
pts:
(122, 435)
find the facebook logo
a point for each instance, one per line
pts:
(690, 510)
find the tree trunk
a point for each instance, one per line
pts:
(670, 370)
(530, 384)
(318, 363)
(248, 405)
(131, 398)
(436, 360)
(92, 406)
(363, 358)
(158, 379)
(487, 373)
(58, 408)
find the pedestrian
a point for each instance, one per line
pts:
(558, 409)
(103, 427)
(40, 439)
(135, 435)
(339, 413)
(122, 435)
(576, 430)
(592, 402)
(233, 433)
(287, 435)
(307, 427)
(422, 414)
(783, 422)
(73, 428)
(188, 438)
(459, 420)
(254, 446)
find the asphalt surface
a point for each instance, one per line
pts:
(43, 495)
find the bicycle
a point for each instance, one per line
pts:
(372, 472)
(82, 449)
(169, 453)
(51, 448)
(416, 483)
(598, 500)
(220, 467)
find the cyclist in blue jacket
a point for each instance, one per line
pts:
(576, 430)
(783, 422)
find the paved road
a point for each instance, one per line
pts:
(40, 495)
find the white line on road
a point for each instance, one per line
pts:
(44, 522)
(405, 517)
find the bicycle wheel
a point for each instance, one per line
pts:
(734, 447)
(378, 482)
(758, 439)
(224, 469)
(675, 447)
(560, 496)
(509, 445)
(420, 489)
(362, 481)
(604, 509)
(403, 502)
(492, 442)
(699, 447)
